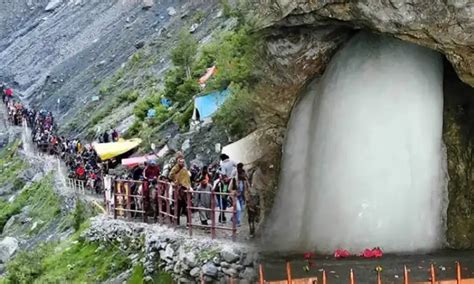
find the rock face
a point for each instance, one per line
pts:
(458, 135)
(446, 26)
(8, 247)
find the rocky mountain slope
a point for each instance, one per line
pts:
(57, 53)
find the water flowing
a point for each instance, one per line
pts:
(363, 160)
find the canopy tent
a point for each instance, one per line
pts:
(110, 150)
(131, 162)
(248, 149)
(208, 104)
(9, 92)
(209, 72)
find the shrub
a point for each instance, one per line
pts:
(183, 118)
(27, 265)
(78, 215)
(199, 16)
(237, 113)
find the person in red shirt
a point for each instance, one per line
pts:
(151, 171)
(81, 172)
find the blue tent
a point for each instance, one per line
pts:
(165, 102)
(208, 104)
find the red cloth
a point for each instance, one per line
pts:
(152, 172)
(9, 92)
(341, 253)
(80, 171)
(372, 253)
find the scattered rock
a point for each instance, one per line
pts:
(8, 246)
(229, 255)
(249, 274)
(186, 145)
(193, 27)
(195, 272)
(171, 11)
(139, 44)
(147, 4)
(52, 5)
(230, 271)
(190, 259)
(209, 269)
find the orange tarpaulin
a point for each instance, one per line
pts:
(210, 71)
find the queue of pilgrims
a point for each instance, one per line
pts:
(83, 163)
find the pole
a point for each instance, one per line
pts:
(433, 274)
(351, 277)
(324, 277)
(234, 217)
(189, 213)
(260, 274)
(213, 214)
(458, 272)
(288, 272)
(405, 275)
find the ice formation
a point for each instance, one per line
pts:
(363, 161)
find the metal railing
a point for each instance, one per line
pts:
(352, 279)
(77, 185)
(139, 200)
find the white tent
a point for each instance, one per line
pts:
(248, 149)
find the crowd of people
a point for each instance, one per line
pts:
(226, 178)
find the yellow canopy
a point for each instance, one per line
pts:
(110, 150)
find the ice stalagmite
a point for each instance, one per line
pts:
(362, 164)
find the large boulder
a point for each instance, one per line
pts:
(52, 5)
(8, 247)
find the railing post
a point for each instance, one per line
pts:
(405, 275)
(433, 274)
(351, 276)
(288, 272)
(458, 273)
(159, 200)
(189, 213)
(260, 274)
(145, 200)
(176, 212)
(114, 189)
(128, 199)
(213, 214)
(168, 203)
(234, 217)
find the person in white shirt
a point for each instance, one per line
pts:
(228, 167)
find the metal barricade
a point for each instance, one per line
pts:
(214, 208)
(166, 200)
(127, 204)
(132, 199)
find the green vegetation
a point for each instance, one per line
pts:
(11, 165)
(138, 276)
(78, 262)
(233, 52)
(237, 114)
(78, 215)
(44, 203)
